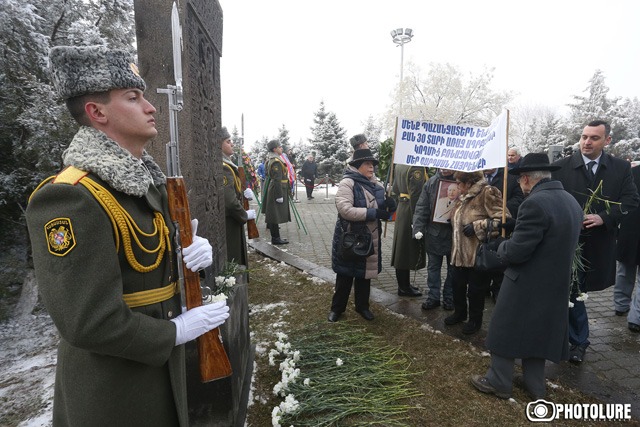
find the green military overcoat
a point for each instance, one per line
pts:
(117, 365)
(235, 215)
(407, 253)
(278, 176)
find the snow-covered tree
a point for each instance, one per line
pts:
(445, 95)
(35, 126)
(373, 131)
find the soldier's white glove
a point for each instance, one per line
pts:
(251, 214)
(418, 235)
(280, 200)
(199, 254)
(248, 194)
(195, 322)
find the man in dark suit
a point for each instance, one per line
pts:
(628, 257)
(581, 174)
(530, 318)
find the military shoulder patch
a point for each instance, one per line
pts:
(59, 235)
(417, 175)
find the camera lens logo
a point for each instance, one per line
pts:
(541, 411)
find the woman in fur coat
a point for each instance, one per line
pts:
(478, 202)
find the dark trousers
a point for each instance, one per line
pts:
(578, 318)
(308, 185)
(500, 375)
(404, 279)
(275, 230)
(472, 284)
(362, 289)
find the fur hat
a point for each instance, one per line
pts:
(222, 134)
(534, 162)
(357, 140)
(274, 143)
(78, 71)
(362, 155)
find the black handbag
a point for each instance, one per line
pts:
(487, 259)
(356, 242)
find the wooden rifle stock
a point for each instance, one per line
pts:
(214, 363)
(252, 228)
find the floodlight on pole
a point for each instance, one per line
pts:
(401, 36)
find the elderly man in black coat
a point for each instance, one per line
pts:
(530, 318)
(580, 175)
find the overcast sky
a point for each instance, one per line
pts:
(282, 57)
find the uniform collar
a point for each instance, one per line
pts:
(93, 151)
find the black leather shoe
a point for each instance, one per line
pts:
(483, 385)
(409, 292)
(622, 313)
(576, 354)
(471, 327)
(366, 314)
(454, 319)
(279, 241)
(333, 316)
(430, 305)
(634, 327)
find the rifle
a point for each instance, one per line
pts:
(214, 363)
(252, 228)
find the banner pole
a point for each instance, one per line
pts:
(504, 179)
(390, 174)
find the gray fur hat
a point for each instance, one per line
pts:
(273, 144)
(78, 70)
(357, 140)
(222, 134)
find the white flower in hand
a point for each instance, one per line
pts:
(418, 235)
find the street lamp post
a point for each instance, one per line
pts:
(401, 36)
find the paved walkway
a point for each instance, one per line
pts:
(610, 372)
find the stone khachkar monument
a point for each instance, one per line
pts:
(222, 402)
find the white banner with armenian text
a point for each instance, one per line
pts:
(455, 147)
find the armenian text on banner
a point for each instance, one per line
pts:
(455, 147)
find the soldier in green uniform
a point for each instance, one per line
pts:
(407, 253)
(275, 203)
(104, 255)
(235, 214)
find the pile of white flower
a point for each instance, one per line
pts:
(289, 375)
(345, 363)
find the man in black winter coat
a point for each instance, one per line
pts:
(309, 172)
(581, 174)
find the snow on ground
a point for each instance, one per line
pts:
(27, 370)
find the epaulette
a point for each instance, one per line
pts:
(70, 175)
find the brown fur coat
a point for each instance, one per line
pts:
(482, 201)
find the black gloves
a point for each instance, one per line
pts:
(391, 204)
(494, 243)
(382, 214)
(508, 225)
(468, 230)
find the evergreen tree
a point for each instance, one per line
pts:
(595, 105)
(283, 137)
(35, 126)
(373, 130)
